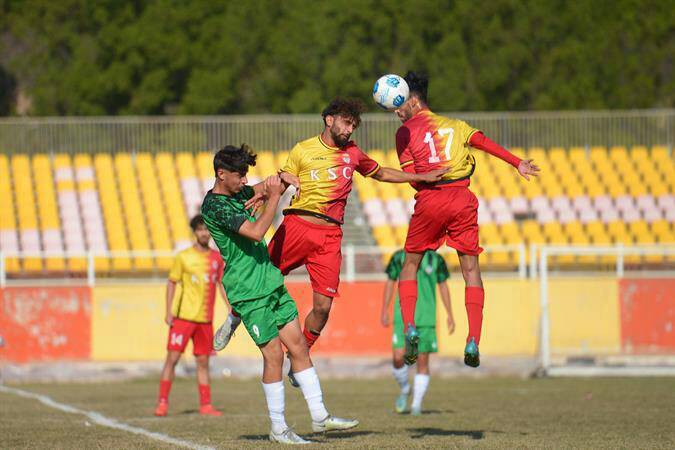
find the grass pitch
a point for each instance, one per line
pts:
(460, 412)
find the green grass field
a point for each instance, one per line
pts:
(460, 412)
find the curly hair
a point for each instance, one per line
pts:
(418, 83)
(234, 159)
(345, 107)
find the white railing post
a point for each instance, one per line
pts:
(522, 262)
(91, 269)
(350, 260)
(3, 274)
(544, 324)
(619, 260)
(533, 261)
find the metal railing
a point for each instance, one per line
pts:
(281, 132)
(545, 253)
(358, 263)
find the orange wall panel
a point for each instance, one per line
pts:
(45, 323)
(354, 325)
(647, 315)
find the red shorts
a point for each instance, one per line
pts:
(182, 331)
(298, 242)
(445, 215)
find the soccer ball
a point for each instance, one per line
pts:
(390, 92)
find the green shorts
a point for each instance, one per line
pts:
(263, 316)
(427, 343)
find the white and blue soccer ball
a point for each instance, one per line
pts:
(390, 92)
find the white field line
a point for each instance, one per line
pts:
(100, 419)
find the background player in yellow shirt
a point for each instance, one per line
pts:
(199, 270)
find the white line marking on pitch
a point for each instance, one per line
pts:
(103, 420)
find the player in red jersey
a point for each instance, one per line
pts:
(190, 315)
(311, 233)
(447, 211)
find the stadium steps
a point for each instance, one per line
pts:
(9, 241)
(50, 224)
(154, 208)
(115, 223)
(24, 191)
(133, 209)
(173, 200)
(69, 208)
(92, 218)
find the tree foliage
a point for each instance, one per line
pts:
(83, 57)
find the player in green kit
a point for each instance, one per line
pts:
(432, 272)
(256, 291)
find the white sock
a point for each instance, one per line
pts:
(274, 394)
(421, 385)
(311, 389)
(401, 375)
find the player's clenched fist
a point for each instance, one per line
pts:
(274, 186)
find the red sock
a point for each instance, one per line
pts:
(164, 389)
(204, 394)
(407, 293)
(474, 297)
(310, 337)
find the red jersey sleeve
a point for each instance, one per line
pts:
(402, 140)
(365, 165)
(480, 141)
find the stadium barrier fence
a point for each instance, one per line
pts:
(281, 132)
(640, 343)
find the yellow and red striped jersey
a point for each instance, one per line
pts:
(198, 272)
(325, 175)
(430, 141)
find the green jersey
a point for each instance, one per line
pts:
(249, 273)
(432, 271)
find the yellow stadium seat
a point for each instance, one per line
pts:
(554, 233)
(532, 232)
(205, 166)
(489, 234)
(619, 232)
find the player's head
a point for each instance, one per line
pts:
(418, 84)
(342, 116)
(200, 231)
(231, 166)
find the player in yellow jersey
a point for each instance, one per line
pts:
(311, 233)
(447, 211)
(189, 316)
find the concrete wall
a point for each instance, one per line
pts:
(126, 322)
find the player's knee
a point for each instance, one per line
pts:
(202, 361)
(322, 308)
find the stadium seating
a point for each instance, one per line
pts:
(584, 196)
(103, 203)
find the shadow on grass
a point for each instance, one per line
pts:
(316, 437)
(189, 411)
(418, 433)
(430, 412)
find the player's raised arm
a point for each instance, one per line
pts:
(256, 230)
(525, 167)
